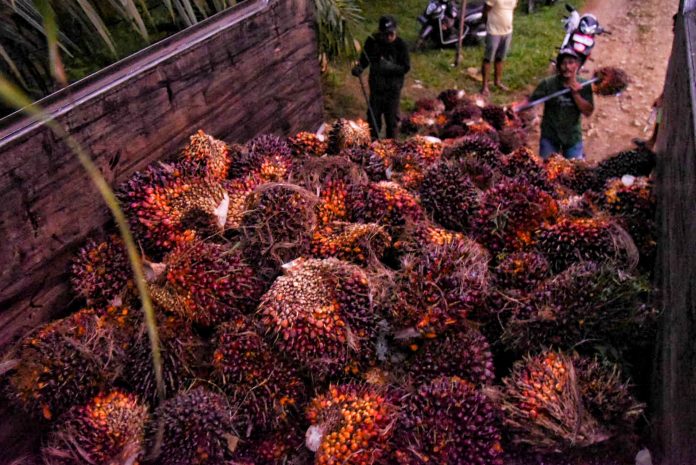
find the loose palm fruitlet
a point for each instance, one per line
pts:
(110, 428)
(319, 314)
(207, 283)
(448, 420)
(206, 157)
(265, 387)
(195, 427)
(64, 363)
(352, 424)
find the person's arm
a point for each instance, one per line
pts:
(401, 64)
(363, 60)
(585, 102)
(487, 9)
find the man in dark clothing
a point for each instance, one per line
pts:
(561, 131)
(388, 59)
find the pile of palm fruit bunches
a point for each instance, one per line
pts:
(327, 299)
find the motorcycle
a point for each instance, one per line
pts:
(580, 33)
(440, 24)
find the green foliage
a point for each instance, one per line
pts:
(336, 21)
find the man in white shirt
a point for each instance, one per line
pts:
(498, 15)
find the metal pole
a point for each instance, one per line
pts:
(369, 107)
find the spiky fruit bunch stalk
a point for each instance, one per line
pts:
(266, 388)
(464, 353)
(606, 395)
(633, 205)
(278, 224)
(207, 283)
(63, 364)
(633, 162)
(586, 302)
(438, 288)
(195, 427)
(543, 405)
(205, 156)
(449, 420)
(573, 174)
(352, 242)
(346, 134)
(239, 191)
(508, 214)
(525, 163)
(477, 147)
(451, 98)
(384, 203)
(160, 203)
(179, 353)
(495, 115)
(448, 193)
(571, 240)
(319, 313)
(612, 81)
(101, 272)
(332, 204)
(522, 271)
(308, 144)
(110, 428)
(351, 424)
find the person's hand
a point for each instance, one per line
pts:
(574, 85)
(357, 70)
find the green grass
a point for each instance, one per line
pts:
(535, 41)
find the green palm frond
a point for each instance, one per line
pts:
(336, 21)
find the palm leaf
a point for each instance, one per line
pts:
(98, 25)
(335, 22)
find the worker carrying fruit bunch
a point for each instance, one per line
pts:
(561, 131)
(387, 56)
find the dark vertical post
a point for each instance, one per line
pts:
(462, 14)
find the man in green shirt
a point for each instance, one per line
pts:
(561, 131)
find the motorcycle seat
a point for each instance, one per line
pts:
(471, 9)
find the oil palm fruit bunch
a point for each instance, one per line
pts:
(424, 234)
(346, 134)
(573, 174)
(332, 204)
(267, 156)
(452, 131)
(423, 122)
(632, 203)
(521, 270)
(158, 200)
(508, 214)
(465, 111)
(587, 301)
(448, 420)
(612, 81)
(207, 283)
(64, 363)
(195, 427)
(352, 242)
(205, 156)
(384, 203)
(179, 353)
(437, 289)
(477, 147)
(482, 128)
(386, 150)
(449, 194)
(525, 163)
(495, 115)
(414, 157)
(239, 191)
(110, 428)
(430, 104)
(512, 138)
(101, 272)
(606, 395)
(277, 226)
(351, 423)
(373, 163)
(570, 240)
(543, 405)
(320, 315)
(308, 144)
(266, 388)
(451, 98)
(281, 446)
(464, 353)
(639, 162)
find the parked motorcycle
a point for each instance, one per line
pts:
(580, 33)
(440, 24)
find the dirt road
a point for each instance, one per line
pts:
(640, 43)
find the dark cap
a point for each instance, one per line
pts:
(387, 23)
(566, 52)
